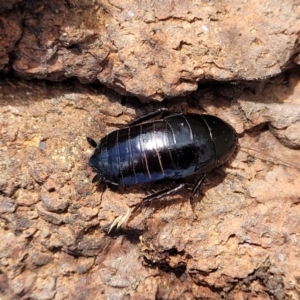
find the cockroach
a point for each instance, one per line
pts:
(163, 145)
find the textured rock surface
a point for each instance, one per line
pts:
(241, 241)
(151, 49)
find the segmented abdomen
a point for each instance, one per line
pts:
(148, 152)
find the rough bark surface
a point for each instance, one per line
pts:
(150, 49)
(242, 240)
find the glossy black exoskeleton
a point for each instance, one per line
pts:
(163, 145)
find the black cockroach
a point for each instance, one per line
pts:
(163, 145)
